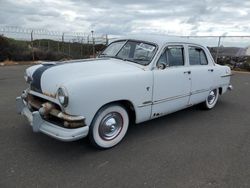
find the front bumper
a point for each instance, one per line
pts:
(40, 125)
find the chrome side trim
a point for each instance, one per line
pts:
(226, 75)
(199, 91)
(147, 103)
(143, 105)
(171, 98)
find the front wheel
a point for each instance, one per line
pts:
(211, 99)
(109, 126)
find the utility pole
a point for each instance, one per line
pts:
(107, 40)
(69, 47)
(93, 41)
(217, 53)
(88, 47)
(58, 47)
(81, 47)
(32, 47)
(63, 43)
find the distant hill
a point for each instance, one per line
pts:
(44, 49)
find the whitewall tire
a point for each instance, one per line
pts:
(211, 99)
(109, 126)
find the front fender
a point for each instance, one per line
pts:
(88, 95)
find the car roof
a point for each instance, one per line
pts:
(160, 40)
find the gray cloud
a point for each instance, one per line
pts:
(179, 17)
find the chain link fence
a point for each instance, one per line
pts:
(39, 44)
(52, 45)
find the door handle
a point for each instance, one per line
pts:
(187, 72)
(211, 70)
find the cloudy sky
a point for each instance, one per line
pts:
(118, 17)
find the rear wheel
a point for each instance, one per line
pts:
(109, 126)
(211, 100)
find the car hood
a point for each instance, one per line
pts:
(48, 77)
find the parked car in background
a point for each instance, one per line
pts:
(133, 80)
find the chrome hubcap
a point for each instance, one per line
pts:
(110, 126)
(212, 96)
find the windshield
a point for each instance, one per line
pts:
(135, 51)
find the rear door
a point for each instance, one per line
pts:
(172, 81)
(201, 74)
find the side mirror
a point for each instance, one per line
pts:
(161, 66)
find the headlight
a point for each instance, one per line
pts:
(63, 97)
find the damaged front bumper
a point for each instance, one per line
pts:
(39, 124)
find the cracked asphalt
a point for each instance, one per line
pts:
(190, 148)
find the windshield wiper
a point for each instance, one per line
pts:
(124, 59)
(140, 59)
(106, 55)
(101, 55)
(130, 60)
(116, 57)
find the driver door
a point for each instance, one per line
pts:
(172, 81)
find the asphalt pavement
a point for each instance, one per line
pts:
(190, 148)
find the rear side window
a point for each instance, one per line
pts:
(197, 56)
(173, 56)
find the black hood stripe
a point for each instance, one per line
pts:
(36, 77)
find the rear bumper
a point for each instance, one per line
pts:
(40, 125)
(230, 87)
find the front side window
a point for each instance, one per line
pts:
(197, 56)
(135, 51)
(172, 56)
